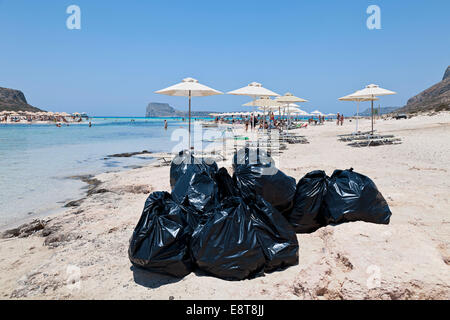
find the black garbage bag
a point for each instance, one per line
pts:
(354, 197)
(186, 163)
(160, 241)
(306, 215)
(255, 173)
(197, 190)
(275, 235)
(242, 241)
(226, 184)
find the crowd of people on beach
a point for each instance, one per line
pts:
(40, 117)
(271, 121)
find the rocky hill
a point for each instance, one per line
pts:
(14, 100)
(435, 98)
(156, 109)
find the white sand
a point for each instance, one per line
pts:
(410, 257)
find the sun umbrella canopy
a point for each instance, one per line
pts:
(254, 89)
(276, 107)
(263, 102)
(372, 90)
(189, 86)
(317, 113)
(289, 106)
(289, 97)
(357, 97)
(291, 109)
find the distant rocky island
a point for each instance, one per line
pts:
(156, 109)
(14, 100)
(383, 110)
(435, 98)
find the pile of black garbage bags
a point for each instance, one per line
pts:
(239, 227)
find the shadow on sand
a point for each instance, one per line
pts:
(150, 279)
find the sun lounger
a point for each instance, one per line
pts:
(365, 137)
(163, 162)
(375, 142)
(359, 133)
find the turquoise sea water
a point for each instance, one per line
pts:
(36, 160)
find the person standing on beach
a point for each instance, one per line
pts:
(165, 124)
(338, 117)
(342, 119)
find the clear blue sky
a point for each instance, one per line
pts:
(318, 50)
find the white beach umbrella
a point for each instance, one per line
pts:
(317, 113)
(290, 99)
(291, 108)
(295, 111)
(372, 91)
(254, 90)
(354, 97)
(264, 102)
(189, 87)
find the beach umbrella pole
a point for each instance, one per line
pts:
(357, 115)
(189, 120)
(372, 115)
(252, 125)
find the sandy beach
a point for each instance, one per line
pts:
(81, 253)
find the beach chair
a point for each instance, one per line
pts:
(354, 134)
(373, 142)
(359, 137)
(164, 162)
(368, 137)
